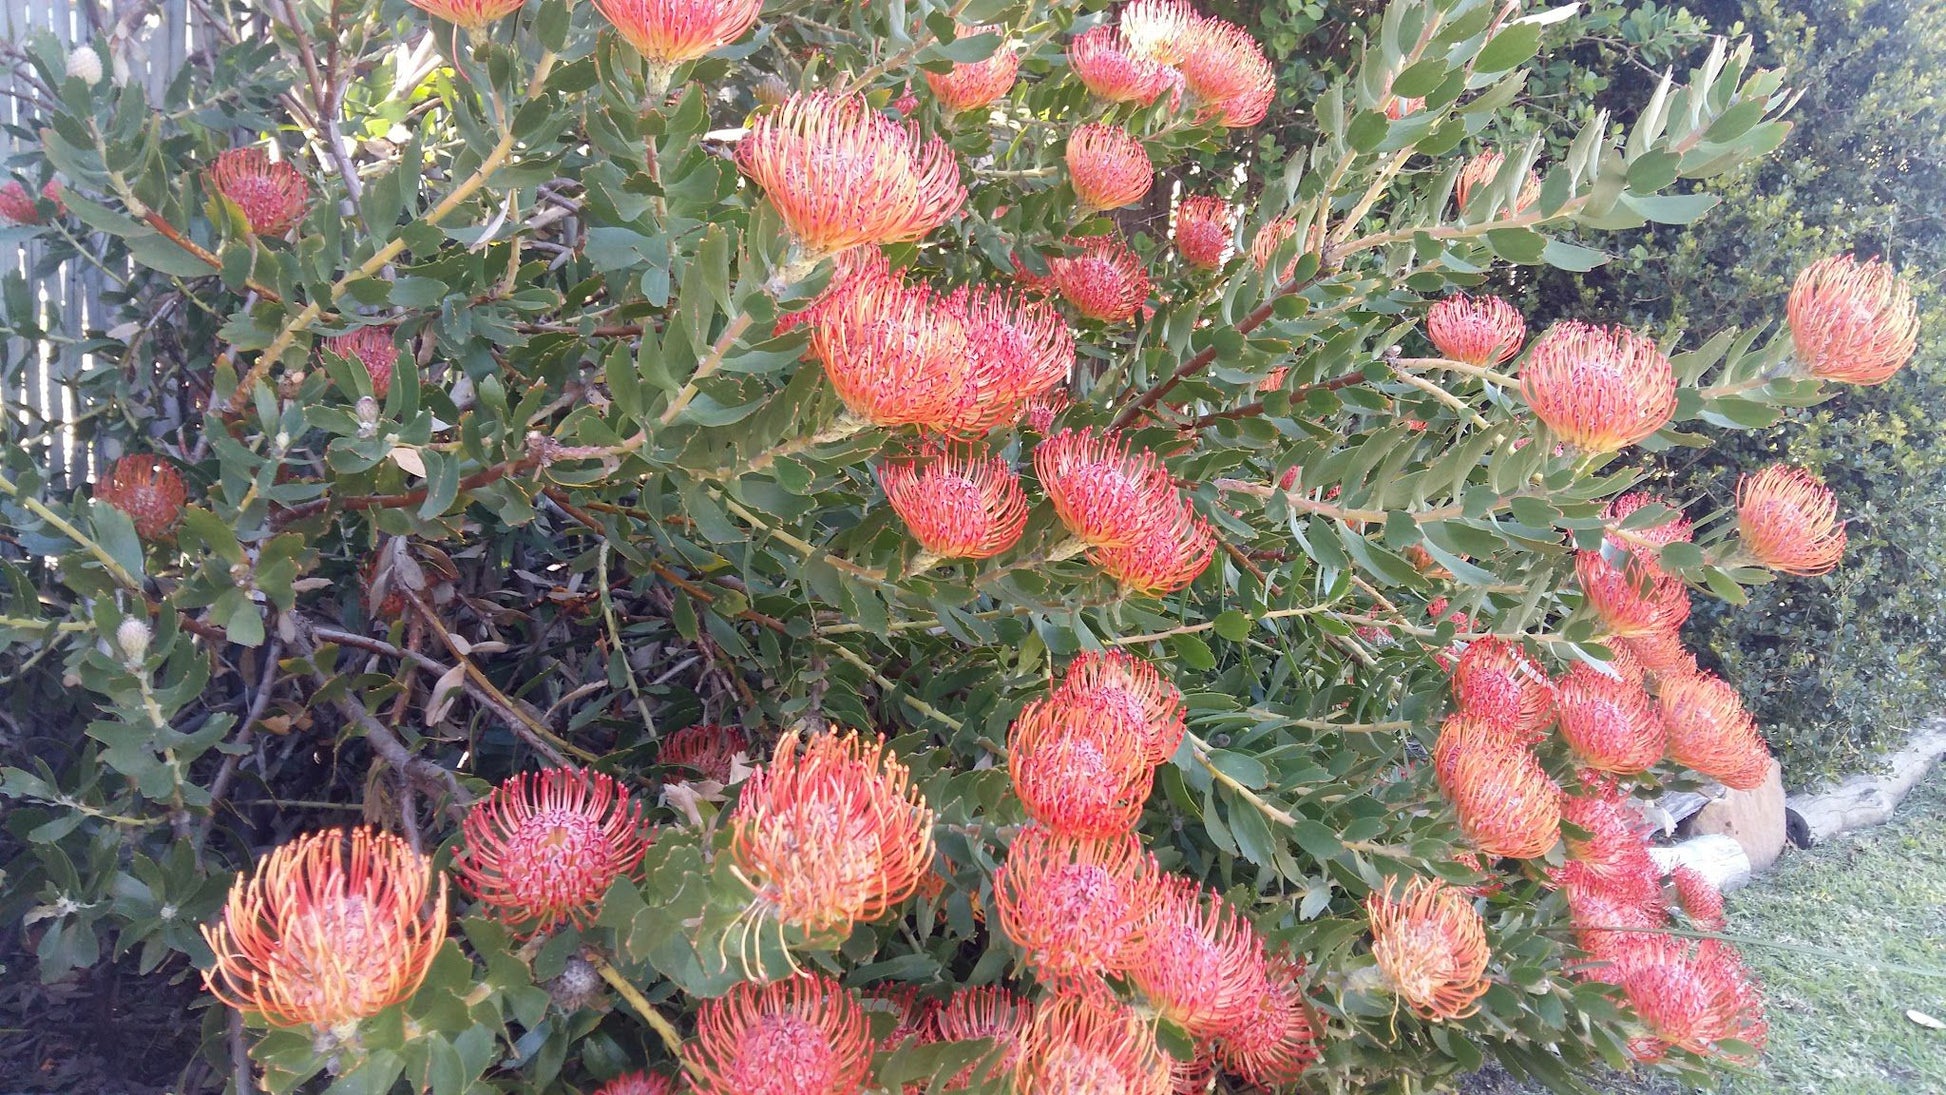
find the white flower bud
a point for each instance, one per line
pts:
(84, 64)
(367, 412)
(133, 637)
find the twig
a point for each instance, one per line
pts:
(627, 991)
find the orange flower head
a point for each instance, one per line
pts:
(1610, 723)
(1481, 170)
(972, 85)
(1711, 731)
(373, 348)
(1106, 495)
(1170, 557)
(668, 33)
(544, 847)
(1078, 766)
(1432, 947)
(17, 205)
(1789, 521)
(1496, 680)
(805, 1035)
(1632, 600)
(841, 174)
(1599, 389)
(1203, 230)
(1227, 72)
(1853, 322)
(1659, 654)
(471, 14)
(1505, 801)
(1105, 64)
(1614, 853)
(1275, 1040)
(706, 750)
(272, 196)
(896, 352)
(1701, 901)
(1077, 1046)
(1613, 927)
(1133, 686)
(1269, 238)
(1103, 278)
(1693, 999)
(149, 491)
(332, 928)
(1645, 540)
(988, 1013)
(1483, 331)
(1202, 962)
(638, 1083)
(958, 503)
(1108, 167)
(1021, 347)
(1076, 909)
(833, 835)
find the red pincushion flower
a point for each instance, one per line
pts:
(638, 1083)
(1043, 408)
(1203, 230)
(1788, 520)
(1614, 855)
(1078, 766)
(988, 1013)
(17, 205)
(1660, 654)
(471, 14)
(1505, 801)
(1201, 964)
(1076, 1046)
(706, 750)
(804, 1035)
(1496, 680)
(1108, 167)
(1136, 688)
(1609, 722)
(1167, 559)
(1432, 947)
(896, 353)
(1020, 347)
(1711, 731)
(1632, 600)
(1851, 321)
(1109, 69)
(52, 191)
(1269, 238)
(842, 174)
(668, 33)
(1076, 909)
(1105, 494)
(1482, 170)
(330, 929)
(832, 836)
(1599, 389)
(272, 196)
(971, 85)
(1701, 901)
(1483, 331)
(959, 504)
(373, 348)
(1614, 928)
(1103, 278)
(544, 847)
(1275, 1040)
(1227, 72)
(149, 491)
(1694, 999)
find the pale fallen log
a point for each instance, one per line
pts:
(1864, 800)
(1716, 857)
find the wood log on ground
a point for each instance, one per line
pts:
(1870, 799)
(1716, 857)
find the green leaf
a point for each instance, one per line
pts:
(1316, 839)
(161, 254)
(1512, 46)
(1521, 245)
(1232, 625)
(1571, 256)
(1671, 208)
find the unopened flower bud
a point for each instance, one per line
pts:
(132, 635)
(84, 64)
(367, 412)
(772, 91)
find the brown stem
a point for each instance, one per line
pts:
(1201, 360)
(173, 235)
(1250, 410)
(408, 498)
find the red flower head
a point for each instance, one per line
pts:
(1431, 946)
(1505, 801)
(1076, 909)
(1194, 1076)
(1600, 389)
(668, 33)
(272, 196)
(1483, 331)
(1021, 347)
(1659, 654)
(1227, 72)
(1158, 29)
(1166, 560)
(1609, 722)
(1633, 600)
(544, 847)
(1108, 167)
(1614, 928)
(958, 504)
(1275, 1040)
(1104, 279)
(1106, 495)
(1481, 170)
(1110, 70)
(373, 348)
(1614, 855)
(1497, 681)
(149, 491)
(1645, 540)
(896, 353)
(1852, 321)
(842, 174)
(1078, 766)
(1789, 521)
(638, 1083)
(1202, 963)
(1042, 409)
(329, 930)
(1693, 999)
(471, 14)
(804, 1035)
(1701, 901)
(1134, 687)
(705, 750)
(17, 205)
(1269, 238)
(1076, 1046)
(988, 1013)
(52, 191)
(1711, 731)
(971, 85)
(1203, 230)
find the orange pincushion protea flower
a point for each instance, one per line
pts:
(1076, 908)
(1432, 947)
(1202, 963)
(1203, 230)
(1078, 766)
(668, 33)
(373, 348)
(1496, 680)
(1788, 520)
(272, 196)
(1660, 655)
(1077, 1046)
(988, 1013)
(1108, 167)
(1103, 278)
(1109, 69)
(1613, 927)
(959, 504)
(471, 14)
(17, 205)
(1853, 321)
(842, 174)
(832, 836)
(1481, 170)
(330, 929)
(1692, 999)
(1614, 853)
(1106, 495)
(1505, 801)
(1269, 238)
(544, 847)
(706, 750)
(1135, 687)
(1701, 901)
(1227, 72)
(1633, 600)
(638, 1083)
(804, 1035)
(1170, 557)
(1599, 389)
(970, 85)
(1483, 331)
(1274, 1041)
(1020, 347)
(149, 491)
(1609, 722)
(1711, 731)
(895, 352)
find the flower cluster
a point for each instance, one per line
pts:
(1598, 389)
(1203, 230)
(1482, 331)
(1431, 946)
(1788, 521)
(973, 85)
(1107, 167)
(1166, 45)
(958, 503)
(272, 195)
(1136, 524)
(372, 347)
(1482, 171)
(668, 33)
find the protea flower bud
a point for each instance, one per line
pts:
(1711, 731)
(832, 836)
(1227, 72)
(1202, 962)
(471, 14)
(1483, 331)
(1432, 947)
(544, 847)
(1610, 723)
(638, 1083)
(1103, 278)
(706, 750)
(1269, 238)
(1157, 30)
(1633, 600)
(1600, 389)
(668, 33)
(1108, 167)
(840, 174)
(1479, 173)
(807, 1032)
(272, 196)
(1076, 909)
(1078, 766)
(988, 1013)
(1505, 801)
(149, 491)
(1110, 70)
(330, 929)
(84, 64)
(1203, 230)
(1701, 901)
(1788, 521)
(51, 193)
(1274, 1040)
(1167, 559)
(1134, 687)
(1497, 681)
(1106, 495)
(1853, 322)
(373, 348)
(772, 91)
(972, 85)
(1076, 1046)
(17, 205)
(132, 635)
(959, 504)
